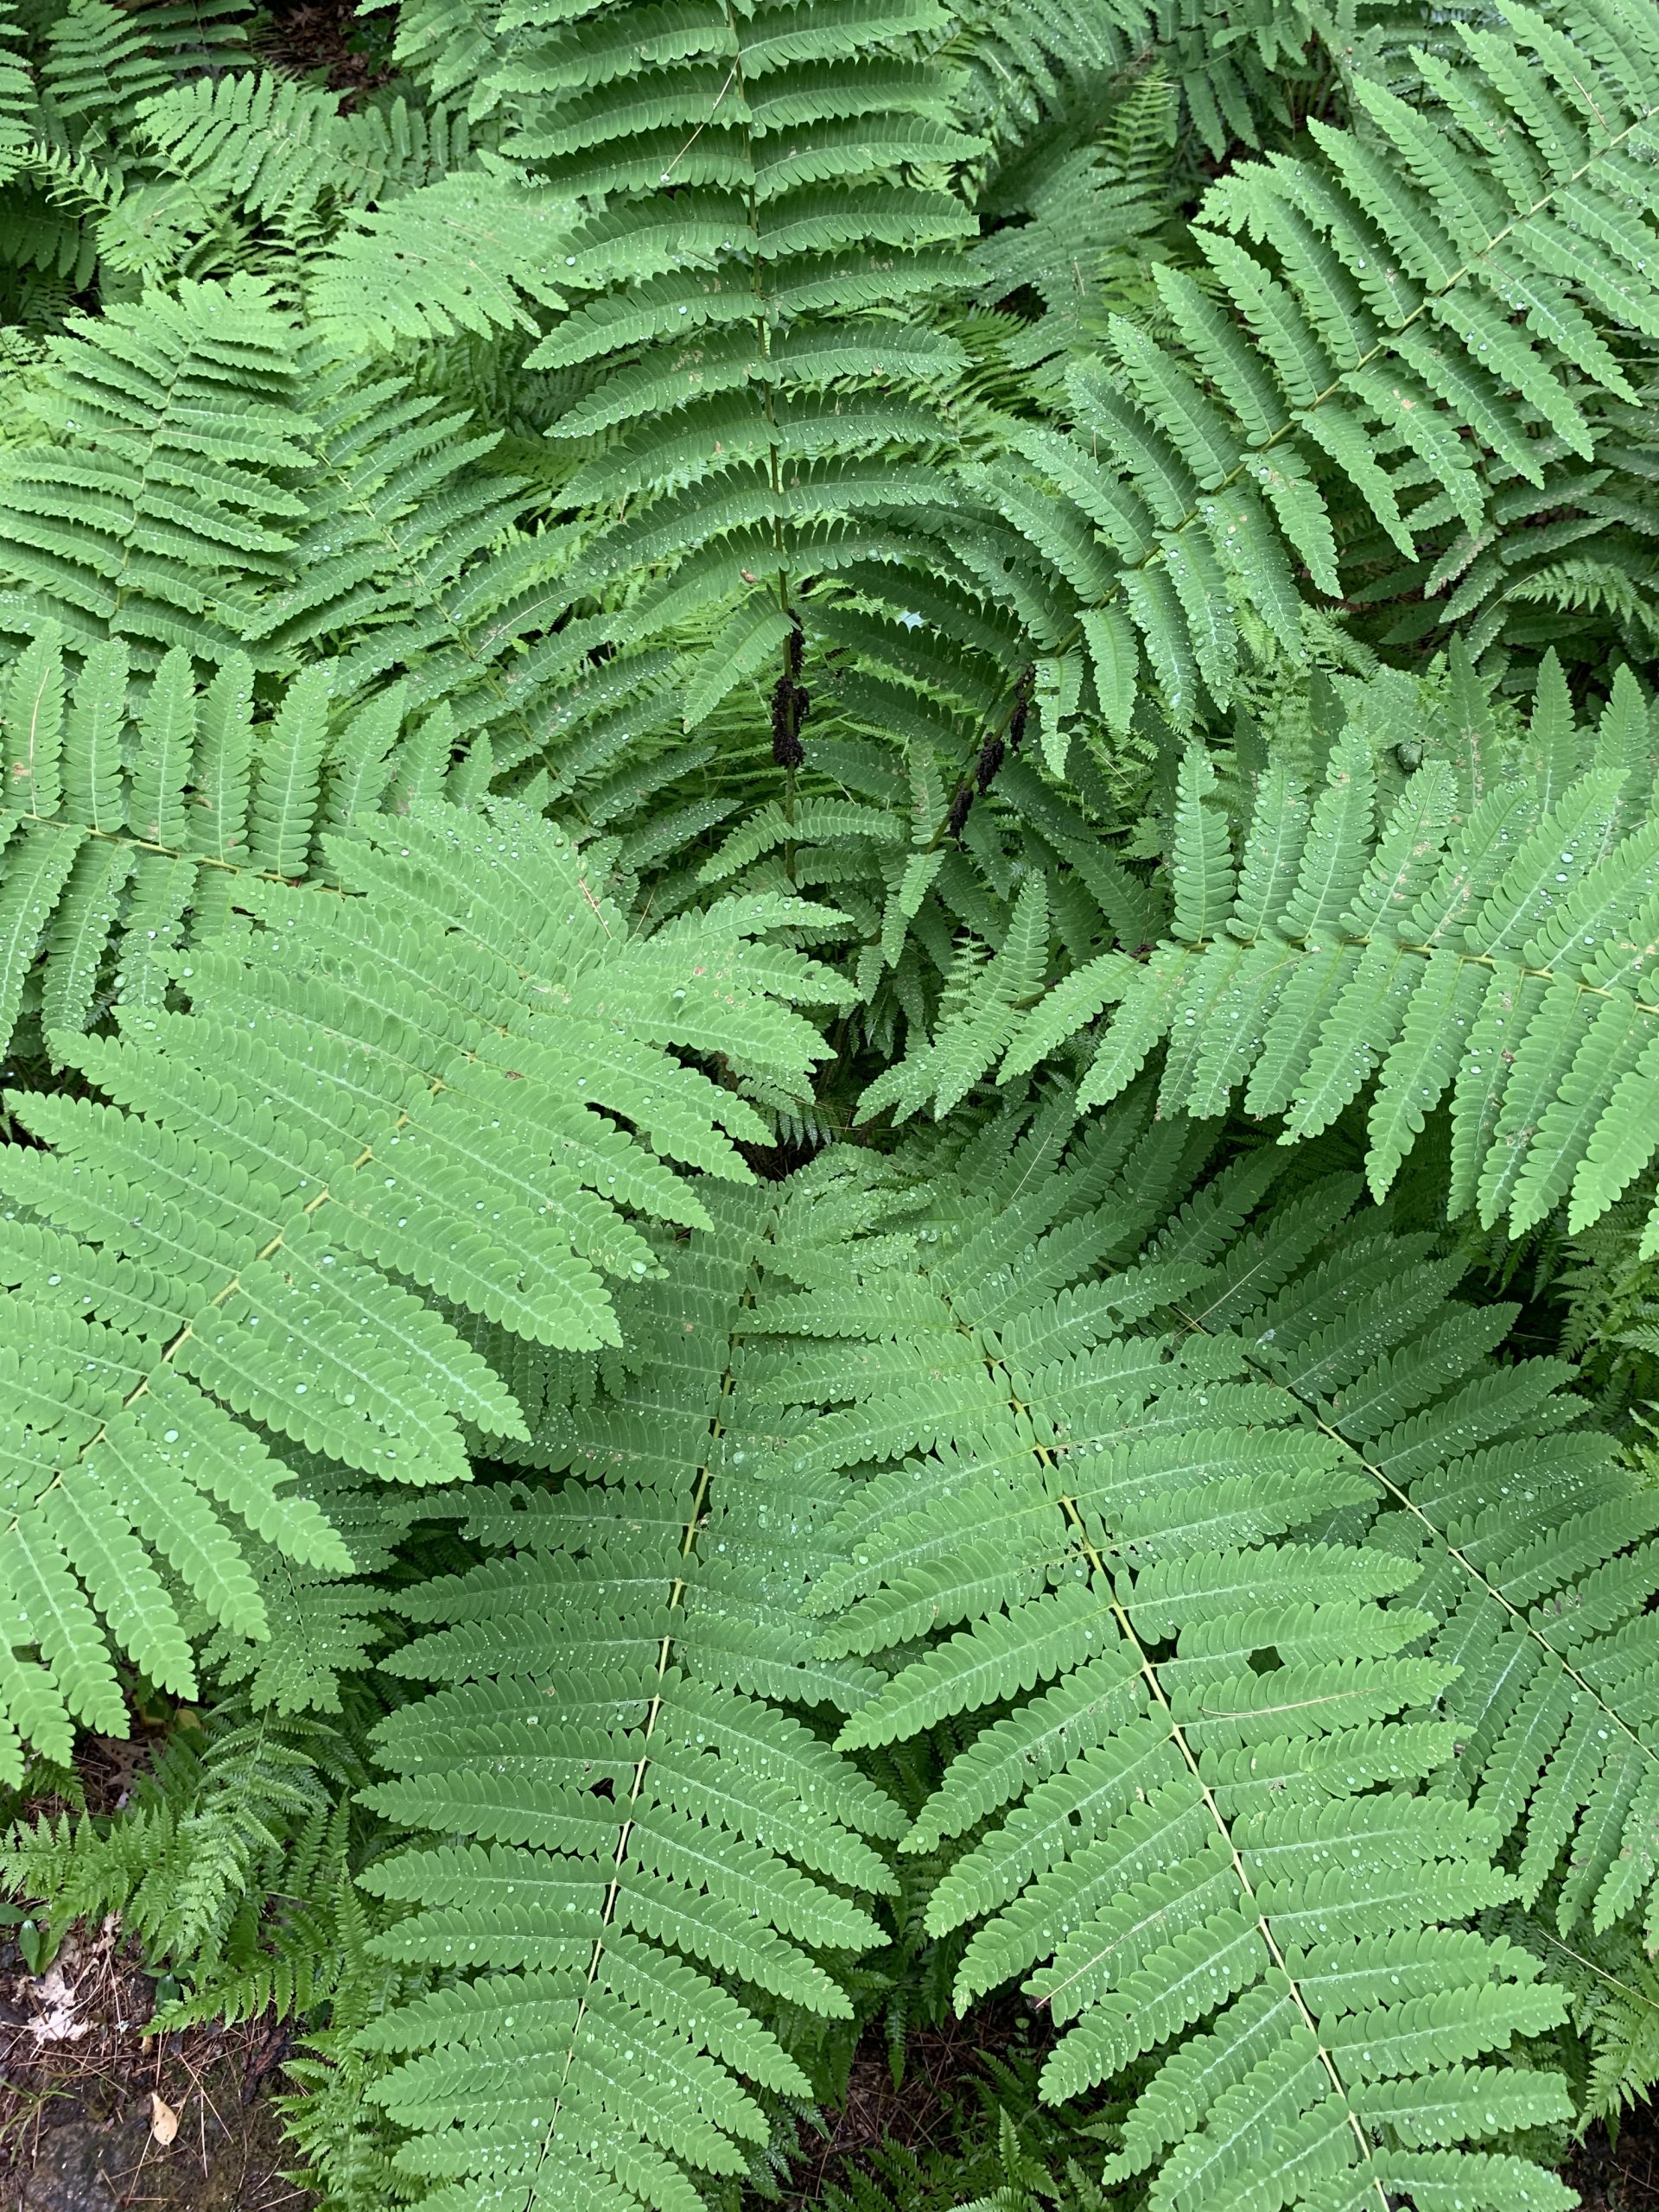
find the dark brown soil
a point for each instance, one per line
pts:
(95, 2116)
(1619, 2173)
(323, 39)
(920, 2113)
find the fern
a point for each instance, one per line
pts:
(804, 1523)
(1032, 65)
(463, 254)
(1495, 952)
(16, 98)
(1139, 1576)
(130, 830)
(100, 65)
(1615, 2010)
(335, 509)
(670, 1827)
(236, 1811)
(161, 529)
(1385, 329)
(734, 356)
(361, 1045)
(277, 148)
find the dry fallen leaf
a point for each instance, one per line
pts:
(163, 2120)
(54, 1998)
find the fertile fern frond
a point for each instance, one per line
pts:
(1134, 1570)
(389, 1104)
(1497, 950)
(623, 1814)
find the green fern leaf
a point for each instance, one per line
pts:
(299, 1043)
(1158, 1830)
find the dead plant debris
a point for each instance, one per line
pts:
(96, 2116)
(323, 39)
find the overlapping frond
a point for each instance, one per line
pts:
(645, 1862)
(101, 63)
(464, 253)
(132, 812)
(1424, 328)
(277, 148)
(1491, 948)
(239, 488)
(173, 501)
(1175, 1535)
(391, 1105)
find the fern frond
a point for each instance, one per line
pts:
(129, 824)
(1182, 1650)
(101, 64)
(463, 253)
(623, 1814)
(275, 148)
(232, 1242)
(1410, 326)
(160, 521)
(1499, 955)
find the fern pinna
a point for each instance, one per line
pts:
(387, 1108)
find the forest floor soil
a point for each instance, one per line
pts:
(98, 2116)
(1620, 2172)
(919, 2111)
(324, 40)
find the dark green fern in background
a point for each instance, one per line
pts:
(829, 901)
